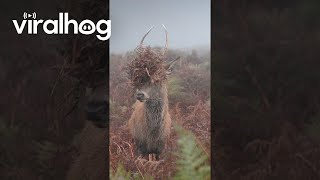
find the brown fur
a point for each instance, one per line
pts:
(142, 123)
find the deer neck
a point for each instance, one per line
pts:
(155, 109)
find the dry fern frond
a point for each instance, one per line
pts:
(148, 66)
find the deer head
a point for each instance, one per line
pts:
(153, 91)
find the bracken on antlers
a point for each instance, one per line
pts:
(148, 66)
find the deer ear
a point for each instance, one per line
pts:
(170, 65)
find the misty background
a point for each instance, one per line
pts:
(187, 22)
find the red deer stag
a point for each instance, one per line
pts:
(150, 122)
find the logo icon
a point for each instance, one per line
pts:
(27, 15)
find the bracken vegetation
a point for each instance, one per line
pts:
(266, 90)
(42, 82)
(192, 163)
(189, 97)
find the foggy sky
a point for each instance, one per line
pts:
(187, 21)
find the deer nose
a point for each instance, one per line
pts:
(140, 96)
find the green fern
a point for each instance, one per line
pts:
(192, 163)
(120, 174)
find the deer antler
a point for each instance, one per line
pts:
(166, 46)
(145, 35)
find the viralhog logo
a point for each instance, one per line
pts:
(61, 26)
